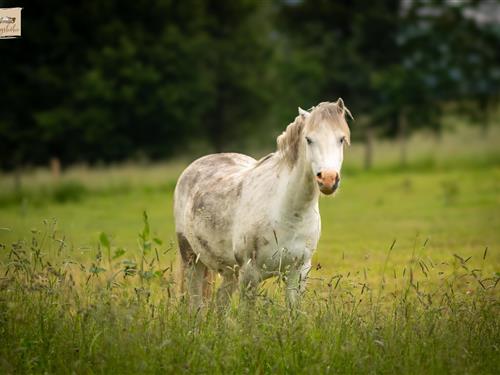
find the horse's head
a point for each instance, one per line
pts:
(324, 135)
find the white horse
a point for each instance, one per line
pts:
(249, 220)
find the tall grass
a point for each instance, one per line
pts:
(122, 313)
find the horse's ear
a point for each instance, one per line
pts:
(304, 113)
(340, 106)
(342, 109)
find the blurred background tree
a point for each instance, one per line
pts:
(350, 42)
(110, 81)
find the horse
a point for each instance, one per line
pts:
(249, 220)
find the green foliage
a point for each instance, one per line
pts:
(126, 80)
(151, 79)
(104, 240)
(118, 253)
(398, 64)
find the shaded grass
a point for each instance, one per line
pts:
(68, 191)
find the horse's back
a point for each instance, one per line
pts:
(205, 198)
(205, 174)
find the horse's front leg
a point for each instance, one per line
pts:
(296, 279)
(226, 289)
(249, 280)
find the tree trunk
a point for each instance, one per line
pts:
(55, 168)
(369, 147)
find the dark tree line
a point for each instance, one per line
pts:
(113, 80)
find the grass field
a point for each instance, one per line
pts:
(404, 280)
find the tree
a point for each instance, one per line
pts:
(398, 63)
(349, 41)
(92, 81)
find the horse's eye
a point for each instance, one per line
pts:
(342, 140)
(309, 140)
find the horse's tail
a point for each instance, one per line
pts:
(187, 258)
(179, 275)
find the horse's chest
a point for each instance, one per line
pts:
(293, 244)
(280, 243)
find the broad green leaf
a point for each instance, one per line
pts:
(104, 239)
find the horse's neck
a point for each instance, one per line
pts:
(301, 193)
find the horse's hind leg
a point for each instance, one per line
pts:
(194, 272)
(194, 279)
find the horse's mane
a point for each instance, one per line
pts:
(333, 112)
(288, 142)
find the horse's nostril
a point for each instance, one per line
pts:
(318, 174)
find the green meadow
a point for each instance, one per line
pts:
(404, 279)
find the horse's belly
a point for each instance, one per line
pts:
(215, 253)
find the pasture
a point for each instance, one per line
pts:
(404, 279)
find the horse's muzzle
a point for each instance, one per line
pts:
(328, 181)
